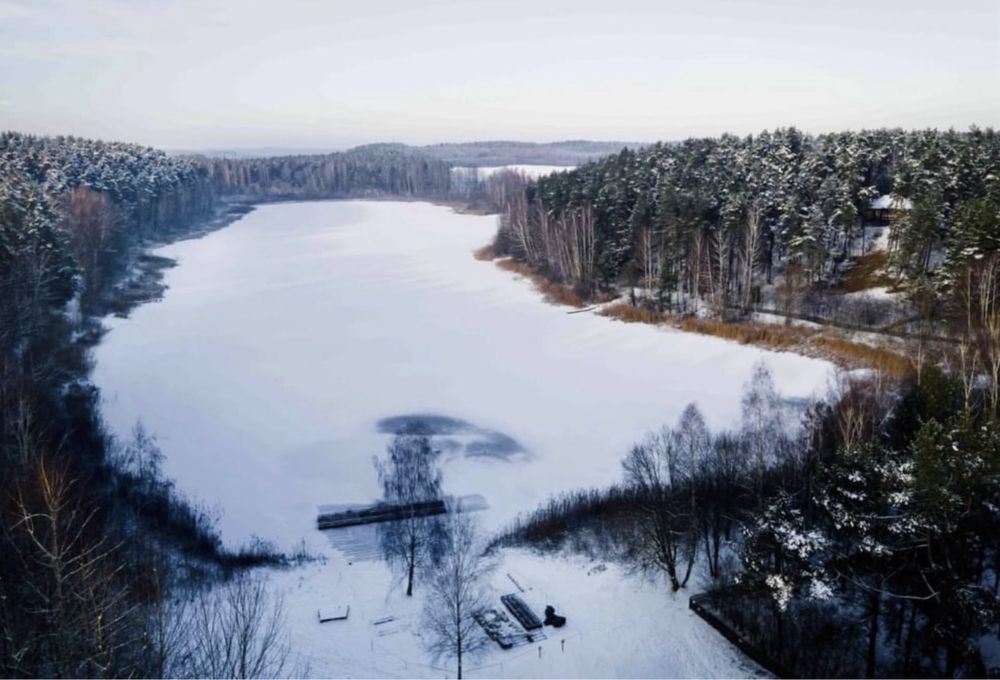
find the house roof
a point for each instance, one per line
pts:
(891, 202)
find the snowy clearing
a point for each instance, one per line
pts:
(618, 625)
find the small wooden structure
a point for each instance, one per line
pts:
(521, 611)
(336, 613)
(503, 631)
(882, 210)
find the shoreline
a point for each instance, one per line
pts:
(142, 281)
(828, 342)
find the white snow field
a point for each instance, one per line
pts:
(284, 338)
(618, 625)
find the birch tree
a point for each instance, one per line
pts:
(750, 255)
(762, 422)
(409, 475)
(989, 323)
(693, 442)
(457, 591)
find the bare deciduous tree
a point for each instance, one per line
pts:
(90, 221)
(693, 442)
(75, 589)
(662, 539)
(167, 630)
(988, 322)
(718, 271)
(457, 590)
(649, 257)
(507, 190)
(719, 475)
(750, 254)
(26, 433)
(861, 404)
(763, 424)
(237, 631)
(969, 368)
(409, 476)
(791, 288)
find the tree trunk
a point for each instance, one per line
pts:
(413, 559)
(875, 605)
(712, 551)
(908, 647)
(690, 567)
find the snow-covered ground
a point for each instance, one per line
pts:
(618, 624)
(284, 338)
(877, 293)
(872, 238)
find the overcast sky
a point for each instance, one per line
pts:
(330, 73)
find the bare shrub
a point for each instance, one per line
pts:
(655, 469)
(237, 631)
(632, 314)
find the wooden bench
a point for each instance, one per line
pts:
(335, 613)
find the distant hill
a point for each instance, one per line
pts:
(252, 152)
(493, 153)
(476, 154)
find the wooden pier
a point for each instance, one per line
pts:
(380, 512)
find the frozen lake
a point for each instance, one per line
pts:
(291, 344)
(285, 339)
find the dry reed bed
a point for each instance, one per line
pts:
(555, 293)
(799, 339)
(486, 253)
(773, 336)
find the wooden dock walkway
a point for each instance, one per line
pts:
(380, 512)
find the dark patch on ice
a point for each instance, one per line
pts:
(448, 446)
(454, 435)
(432, 424)
(494, 444)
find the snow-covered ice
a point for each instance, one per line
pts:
(286, 337)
